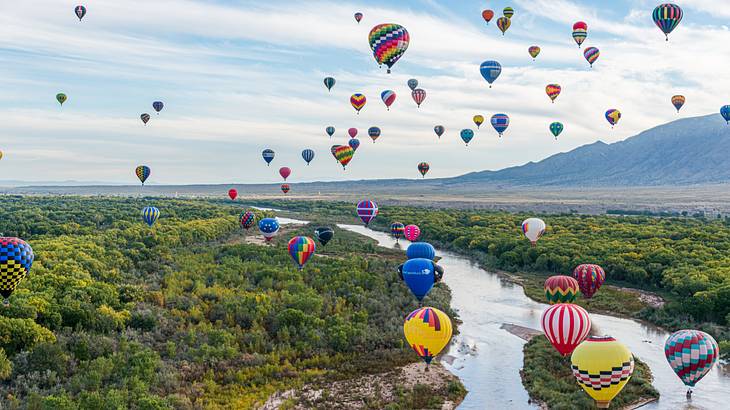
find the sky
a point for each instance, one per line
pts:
(238, 76)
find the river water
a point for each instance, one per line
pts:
(488, 359)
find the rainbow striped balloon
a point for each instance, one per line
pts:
(591, 54)
(691, 353)
(301, 248)
(344, 154)
(667, 17)
(553, 91)
(580, 32)
(358, 101)
(389, 42)
(561, 289)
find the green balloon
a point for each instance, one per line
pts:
(556, 128)
(61, 98)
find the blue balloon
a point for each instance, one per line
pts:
(268, 155)
(308, 155)
(354, 143)
(412, 84)
(490, 71)
(419, 276)
(330, 130)
(500, 122)
(725, 112)
(158, 106)
(150, 215)
(269, 227)
(421, 250)
(467, 135)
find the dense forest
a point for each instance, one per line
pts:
(686, 260)
(187, 314)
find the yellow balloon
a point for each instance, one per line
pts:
(428, 331)
(602, 367)
(478, 120)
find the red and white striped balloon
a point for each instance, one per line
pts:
(565, 325)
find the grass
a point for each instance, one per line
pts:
(548, 378)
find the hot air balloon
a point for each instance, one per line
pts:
(301, 248)
(591, 54)
(725, 112)
(439, 130)
(285, 188)
(354, 143)
(389, 42)
(150, 215)
(158, 106)
(553, 91)
(478, 120)
(285, 172)
(329, 82)
(487, 15)
(612, 116)
(533, 228)
(561, 289)
(419, 274)
(142, 172)
(466, 135)
(580, 32)
(678, 101)
(269, 227)
(352, 132)
(388, 98)
(80, 12)
(358, 101)
(602, 366)
(374, 133)
(534, 52)
(412, 84)
(565, 326)
(333, 151)
(396, 230)
(61, 98)
(324, 234)
(503, 24)
(490, 70)
(367, 211)
(358, 17)
(233, 194)
(423, 168)
(248, 219)
(508, 12)
(691, 354)
(145, 118)
(428, 331)
(330, 130)
(308, 155)
(556, 128)
(15, 262)
(667, 16)
(344, 154)
(268, 155)
(590, 278)
(418, 96)
(412, 232)
(421, 250)
(500, 122)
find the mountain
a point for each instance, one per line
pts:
(689, 151)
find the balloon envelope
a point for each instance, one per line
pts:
(691, 354)
(533, 228)
(388, 97)
(61, 98)
(487, 15)
(374, 133)
(412, 84)
(678, 101)
(367, 210)
(556, 128)
(269, 227)
(561, 289)
(324, 234)
(466, 135)
(80, 12)
(490, 70)
(580, 32)
(590, 277)
(725, 112)
(412, 232)
(439, 130)
(428, 331)
(565, 326)
(285, 172)
(142, 172)
(421, 250)
(301, 248)
(602, 366)
(534, 51)
(389, 42)
(418, 96)
(418, 274)
(268, 155)
(358, 101)
(352, 132)
(354, 143)
(591, 55)
(344, 154)
(145, 118)
(158, 106)
(667, 17)
(396, 230)
(15, 263)
(612, 116)
(150, 215)
(330, 130)
(329, 82)
(285, 188)
(423, 168)
(308, 155)
(232, 193)
(503, 24)
(248, 219)
(553, 91)
(500, 122)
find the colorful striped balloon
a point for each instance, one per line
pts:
(358, 101)
(612, 116)
(418, 95)
(412, 232)
(580, 32)
(590, 277)
(591, 54)
(667, 17)
(248, 219)
(691, 354)
(142, 172)
(344, 154)
(503, 24)
(508, 12)
(301, 248)
(553, 91)
(388, 97)
(678, 101)
(534, 52)
(396, 230)
(367, 210)
(150, 215)
(389, 42)
(285, 188)
(565, 326)
(428, 331)
(500, 122)
(561, 289)
(602, 366)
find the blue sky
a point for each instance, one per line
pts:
(240, 76)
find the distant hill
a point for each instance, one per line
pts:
(689, 151)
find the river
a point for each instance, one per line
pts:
(488, 359)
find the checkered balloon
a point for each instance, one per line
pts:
(16, 258)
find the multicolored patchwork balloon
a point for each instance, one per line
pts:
(358, 101)
(150, 215)
(691, 354)
(247, 220)
(301, 248)
(503, 24)
(16, 259)
(389, 42)
(500, 122)
(667, 17)
(427, 330)
(590, 277)
(534, 52)
(565, 326)
(344, 154)
(553, 91)
(367, 210)
(396, 230)
(561, 289)
(591, 54)
(388, 97)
